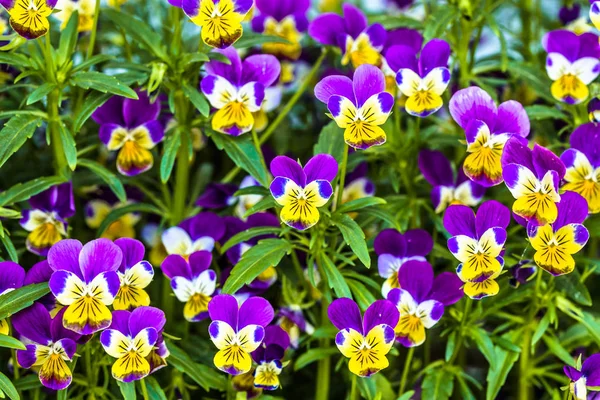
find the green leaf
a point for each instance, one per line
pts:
(438, 384)
(334, 278)
(41, 92)
(242, 152)
(68, 39)
(313, 355)
(450, 345)
(68, 144)
(331, 141)
(140, 31)
(250, 39)
(10, 247)
(556, 348)
(117, 213)
(497, 373)
(571, 285)
(16, 60)
(484, 343)
(359, 204)
(264, 204)
(15, 133)
(354, 237)
(62, 394)
(541, 328)
(407, 395)
(167, 161)
(23, 191)
(28, 382)
(90, 104)
(364, 298)
(93, 60)
(440, 21)
(8, 213)
(10, 342)
(266, 253)
(197, 99)
(207, 377)
(102, 83)
(18, 299)
(108, 177)
(540, 112)
(127, 390)
(249, 234)
(7, 387)
(500, 35)
(190, 58)
(155, 392)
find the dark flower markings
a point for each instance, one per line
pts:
(302, 203)
(216, 24)
(554, 254)
(479, 259)
(234, 350)
(30, 15)
(365, 354)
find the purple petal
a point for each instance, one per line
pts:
(110, 112)
(491, 214)
(26, 358)
(405, 37)
(33, 323)
(199, 262)
(354, 20)
(217, 195)
(262, 68)
(64, 255)
(377, 35)
(416, 277)
(368, 81)
(175, 265)
(335, 85)
(106, 132)
(345, 314)
(418, 242)
(390, 241)
(275, 334)
(436, 168)
(588, 46)
(512, 118)
(59, 332)
(435, 54)
(446, 288)
(255, 311)
(321, 166)
(586, 138)
(98, 256)
(399, 57)
(470, 104)
(224, 307)
(232, 72)
(380, 312)
(12, 276)
(460, 220)
(133, 252)
(146, 317)
(572, 209)
(206, 224)
(544, 160)
(138, 112)
(591, 370)
(120, 322)
(516, 152)
(40, 272)
(564, 42)
(572, 373)
(286, 167)
(325, 29)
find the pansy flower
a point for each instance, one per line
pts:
(196, 233)
(358, 185)
(572, 64)
(421, 299)
(12, 276)
(46, 219)
(268, 356)
(247, 201)
(522, 273)
(97, 210)
(217, 195)
(587, 374)
(422, 79)
(135, 275)
(569, 13)
(41, 273)
(595, 13)
(237, 90)
(192, 282)
(359, 42)
(582, 162)
(220, 20)
(477, 242)
(398, 39)
(447, 190)
(555, 243)
(394, 249)
(85, 281)
(85, 11)
(359, 105)
(130, 127)
(292, 320)
(130, 339)
(301, 191)
(152, 236)
(29, 18)
(487, 128)
(285, 19)
(532, 176)
(49, 345)
(237, 330)
(365, 341)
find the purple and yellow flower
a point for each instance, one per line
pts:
(217, 195)
(365, 341)
(268, 356)
(359, 105)
(283, 18)
(587, 374)
(192, 282)
(247, 201)
(85, 280)
(359, 42)
(196, 233)
(49, 345)
(292, 320)
(358, 185)
(533, 177)
(424, 79)
(12, 276)
(41, 273)
(572, 64)
(301, 191)
(220, 20)
(394, 249)
(46, 219)
(135, 274)
(130, 339)
(96, 212)
(130, 127)
(29, 18)
(237, 90)
(237, 330)
(569, 13)
(522, 273)
(487, 128)
(421, 299)
(447, 190)
(582, 162)
(477, 242)
(555, 243)
(595, 13)
(397, 40)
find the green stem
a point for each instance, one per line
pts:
(60, 160)
(92, 43)
(342, 180)
(144, 389)
(463, 323)
(183, 163)
(323, 369)
(407, 364)
(526, 350)
(353, 390)
(526, 23)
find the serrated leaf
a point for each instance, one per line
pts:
(335, 279)
(331, 141)
(23, 191)
(68, 39)
(140, 31)
(167, 161)
(197, 99)
(117, 213)
(266, 253)
(207, 377)
(313, 355)
(23, 297)
(108, 177)
(102, 83)
(68, 144)
(15, 133)
(353, 236)
(127, 390)
(359, 204)
(438, 384)
(10, 342)
(90, 104)
(6, 386)
(249, 234)
(41, 92)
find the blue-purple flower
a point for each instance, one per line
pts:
(196, 233)
(135, 274)
(588, 374)
(269, 356)
(12, 276)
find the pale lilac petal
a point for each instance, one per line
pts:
(512, 118)
(470, 104)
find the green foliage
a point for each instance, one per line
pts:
(15, 133)
(354, 237)
(207, 377)
(102, 83)
(108, 177)
(18, 299)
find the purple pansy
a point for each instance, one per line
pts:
(217, 195)
(196, 233)
(237, 330)
(569, 13)
(135, 275)
(394, 249)
(268, 356)
(587, 375)
(85, 280)
(46, 219)
(12, 277)
(447, 189)
(301, 191)
(49, 345)
(522, 273)
(41, 273)
(487, 128)
(420, 299)
(292, 320)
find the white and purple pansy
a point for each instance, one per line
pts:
(587, 374)
(269, 356)
(196, 233)
(135, 275)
